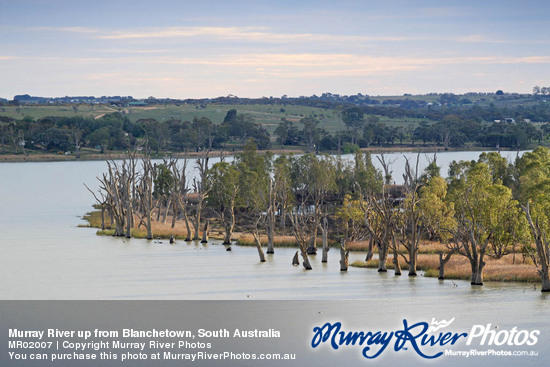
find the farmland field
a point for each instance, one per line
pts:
(268, 116)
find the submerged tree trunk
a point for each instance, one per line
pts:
(295, 259)
(102, 217)
(229, 229)
(442, 262)
(395, 260)
(186, 220)
(344, 257)
(324, 230)
(305, 261)
(413, 254)
(149, 229)
(370, 252)
(477, 271)
(271, 218)
(129, 215)
(205, 232)
(312, 248)
(543, 249)
(382, 257)
(270, 234)
(259, 247)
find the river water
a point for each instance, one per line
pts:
(45, 256)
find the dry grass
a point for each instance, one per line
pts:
(459, 268)
(247, 239)
(426, 247)
(160, 229)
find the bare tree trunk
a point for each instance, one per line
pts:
(205, 233)
(198, 210)
(102, 217)
(312, 249)
(129, 219)
(271, 218)
(270, 234)
(370, 252)
(229, 229)
(259, 247)
(187, 226)
(175, 208)
(299, 230)
(396, 265)
(477, 271)
(442, 262)
(344, 257)
(149, 229)
(160, 209)
(382, 257)
(543, 249)
(201, 189)
(305, 261)
(165, 215)
(543, 272)
(324, 230)
(295, 259)
(413, 254)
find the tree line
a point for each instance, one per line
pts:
(485, 208)
(488, 127)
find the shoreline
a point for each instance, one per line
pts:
(52, 157)
(510, 268)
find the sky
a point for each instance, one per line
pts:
(206, 49)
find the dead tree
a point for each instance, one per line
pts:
(344, 256)
(145, 193)
(299, 228)
(256, 234)
(386, 166)
(380, 221)
(101, 200)
(324, 232)
(180, 191)
(271, 218)
(410, 218)
(295, 259)
(205, 232)
(110, 185)
(201, 189)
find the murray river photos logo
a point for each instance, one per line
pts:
(426, 339)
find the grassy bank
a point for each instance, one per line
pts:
(160, 229)
(165, 230)
(458, 267)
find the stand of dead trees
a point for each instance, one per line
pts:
(485, 208)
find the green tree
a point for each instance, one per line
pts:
(479, 204)
(223, 181)
(353, 119)
(534, 191)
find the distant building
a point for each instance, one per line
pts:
(137, 104)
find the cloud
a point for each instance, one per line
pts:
(342, 64)
(242, 33)
(66, 29)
